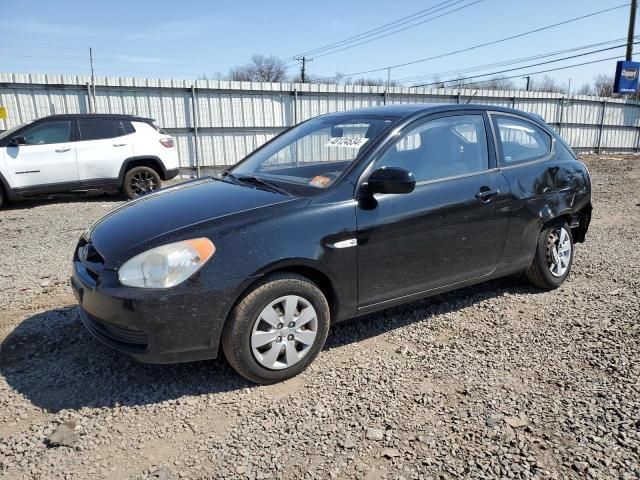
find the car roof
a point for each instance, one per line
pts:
(405, 110)
(106, 116)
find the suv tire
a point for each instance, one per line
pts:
(139, 181)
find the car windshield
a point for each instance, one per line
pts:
(312, 155)
(7, 133)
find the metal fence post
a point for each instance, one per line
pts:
(295, 106)
(194, 111)
(459, 97)
(89, 102)
(637, 136)
(601, 130)
(561, 116)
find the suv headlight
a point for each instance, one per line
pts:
(168, 265)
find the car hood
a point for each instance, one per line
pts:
(124, 229)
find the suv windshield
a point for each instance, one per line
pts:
(315, 153)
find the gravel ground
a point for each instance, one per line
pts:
(497, 380)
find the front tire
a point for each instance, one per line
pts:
(552, 262)
(139, 181)
(277, 329)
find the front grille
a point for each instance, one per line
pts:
(87, 254)
(120, 338)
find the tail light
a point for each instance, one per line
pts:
(167, 142)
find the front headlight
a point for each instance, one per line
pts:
(168, 265)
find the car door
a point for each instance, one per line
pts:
(538, 178)
(48, 158)
(451, 228)
(103, 146)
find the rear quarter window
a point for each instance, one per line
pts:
(100, 128)
(521, 140)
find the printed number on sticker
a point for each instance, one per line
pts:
(347, 142)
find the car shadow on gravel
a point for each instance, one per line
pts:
(55, 363)
(52, 360)
(374, 324)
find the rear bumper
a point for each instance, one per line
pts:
(153, 326)
(171, 173)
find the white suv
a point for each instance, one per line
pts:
(72, 153)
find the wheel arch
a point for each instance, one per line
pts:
(305, 268)
(150, 161)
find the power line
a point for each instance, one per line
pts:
(566, 67)
(400, 30)
(485, 44)
(374, 31)
(504, 63)
(521, 68)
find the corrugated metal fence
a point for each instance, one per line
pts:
(218, 122)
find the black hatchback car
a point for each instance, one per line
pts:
(341, 215)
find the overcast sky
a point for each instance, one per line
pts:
(189, 38)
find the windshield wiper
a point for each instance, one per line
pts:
(258, 181)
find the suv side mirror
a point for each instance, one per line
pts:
(391, 180)
(17, 140)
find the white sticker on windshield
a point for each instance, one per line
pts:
(347, 142)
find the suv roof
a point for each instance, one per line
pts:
(106, 116)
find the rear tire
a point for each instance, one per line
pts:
(277, 329)
(1, 197)
(552, 261)
(139, 181)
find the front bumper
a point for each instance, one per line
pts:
(154, 326)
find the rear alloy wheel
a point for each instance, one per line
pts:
(277, 329)
(551, 264)
(139, 181)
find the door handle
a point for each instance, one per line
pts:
(63, 149)
(485, 194)
(119, 144)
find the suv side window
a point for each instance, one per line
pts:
(441, 148)
(99, 128)
(522, 141)
(49, 132)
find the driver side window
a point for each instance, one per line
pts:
(50, 132)
(441, 148)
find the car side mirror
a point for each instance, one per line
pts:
(391, 180)
(17, 140)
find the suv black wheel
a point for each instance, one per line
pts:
(277, 329)
(552, 262)
(139, 181)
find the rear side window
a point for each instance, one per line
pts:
(49, 132)
(99, 128)
(521, 141)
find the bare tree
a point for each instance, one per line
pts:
(603, 85)
(261, 68)
(547, 84)
(496, 83)
(585, 89)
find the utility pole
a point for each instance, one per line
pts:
(528, 77)
(93, 80)
(303, 67)
(632, 28)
